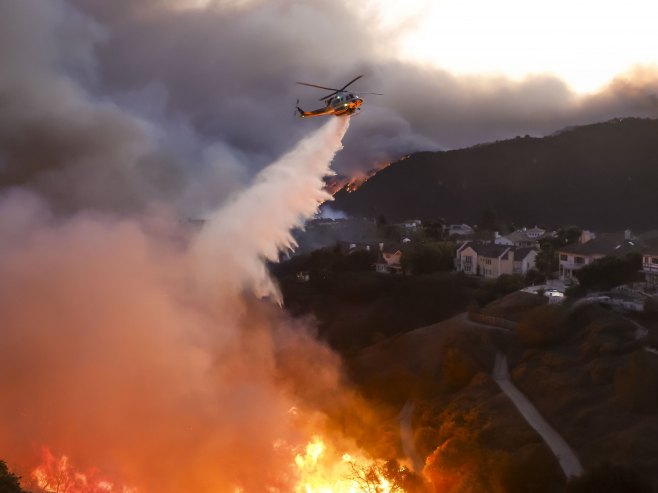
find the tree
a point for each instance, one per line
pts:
(9, 482)
(609, 478)
(543, 325)
(609, 272)
(428, 258)
(546, 261)
(400, 479)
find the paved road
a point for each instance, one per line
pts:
(565, 455)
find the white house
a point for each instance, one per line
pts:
(524, 260)
(518, 238)
(459, 230)
(491, 260)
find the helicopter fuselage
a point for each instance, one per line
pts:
(339, 102)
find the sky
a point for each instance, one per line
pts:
(584, 43)
(117, 105)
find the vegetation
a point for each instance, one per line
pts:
(429, 258)
(543, 326)
(525, 180)
(499, 287)
(608, 272)
(546, 262)
(637, 380)
(609, 478)
(354, 309)
(400, 478)
(9, 482)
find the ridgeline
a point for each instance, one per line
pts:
(601, 176)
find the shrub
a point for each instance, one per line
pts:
(609, 478)
(9, 482)
(543, 325)
(636, 381)
(608, 272)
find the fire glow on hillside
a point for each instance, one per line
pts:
(314, 469)
(335, 184)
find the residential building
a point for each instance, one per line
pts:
(517, 238)
(524, 260)
(520, 238)
(591, 247)
(459, 230)
(348, 247)
(491, 260)
(411, 224)
(389, 261)
(650, 266)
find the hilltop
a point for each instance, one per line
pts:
(600, 176)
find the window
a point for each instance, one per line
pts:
(564, 257)
(468, 260)
(654, 260)
(579, 260)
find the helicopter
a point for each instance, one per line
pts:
(339, 102)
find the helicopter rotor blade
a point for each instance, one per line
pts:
(319, 87)
(350, 82)
(329, 95)
(376, 93)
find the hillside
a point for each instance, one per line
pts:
(600, 176)
(583, 369)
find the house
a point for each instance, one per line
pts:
(650, 265)
(389, 261)
(518, 238)
(534, 233)
(491, 260)
(591, 247)
(411, 224)
(524, 237)
(524, 260)
(459, 230)
(348, 247)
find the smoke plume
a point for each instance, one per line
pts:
(146, 350)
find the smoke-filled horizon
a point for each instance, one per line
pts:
(116, 106)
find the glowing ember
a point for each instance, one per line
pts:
(57, 475)
(337, 183)
(320, 470)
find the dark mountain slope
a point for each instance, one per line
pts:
(601, 176)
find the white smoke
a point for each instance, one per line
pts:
(257, 224)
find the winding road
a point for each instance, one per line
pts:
(567, 458)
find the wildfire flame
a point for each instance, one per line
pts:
(338, 183)
(317, 469)
(57, 475)
(320, 470)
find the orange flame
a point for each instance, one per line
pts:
(352, 184)
(57, 475)
(321, 470)
(317, 469)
